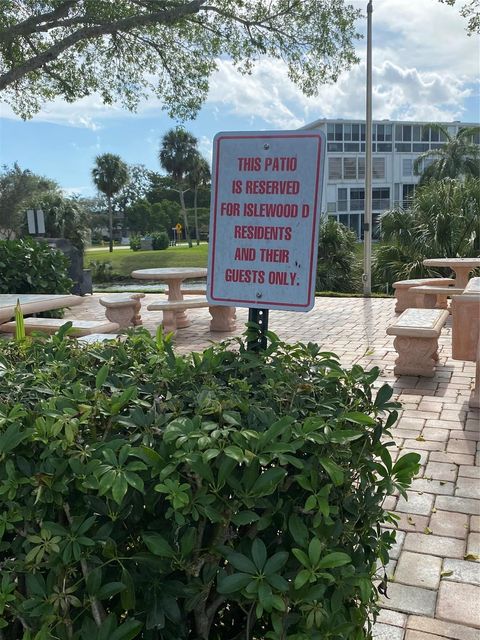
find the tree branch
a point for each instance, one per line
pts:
(27, 27)
(166, 17)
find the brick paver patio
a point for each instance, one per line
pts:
(435, 592)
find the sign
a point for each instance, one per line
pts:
(265, 212)
(35, 221)
(178, 227)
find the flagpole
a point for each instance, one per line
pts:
(367, 224)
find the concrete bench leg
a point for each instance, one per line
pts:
(137, 318)
(169, 321)
(416, 356)
(124, 316)
(431, 301)
(223, 318)
(405, 299)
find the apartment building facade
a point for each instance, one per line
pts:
(395, 146)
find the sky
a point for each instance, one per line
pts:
(425, 67)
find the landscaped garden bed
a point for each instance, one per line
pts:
(220, 495)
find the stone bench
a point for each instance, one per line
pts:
(123, 308)
(433, 297)
(416, 334)
(192, 292)
(223, 318)
(405, 294)
(52, 325)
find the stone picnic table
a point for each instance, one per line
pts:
(174, 276)
(461, 266)
(34, 303)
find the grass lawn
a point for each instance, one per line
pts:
(124, 261)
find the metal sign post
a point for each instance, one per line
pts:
(264, 220)
(259, 340)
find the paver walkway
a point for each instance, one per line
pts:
(435, 593)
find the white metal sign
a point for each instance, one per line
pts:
(266, 198)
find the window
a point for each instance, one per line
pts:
(388, 133)
(416, 132)
(355, 132)
(330, 132)
(407, 132)
(347, 131)
(407, 167)
(343, 219)
(357, 197)
(338, 132)
(381, 199)
(384, 146)
(351, 146)
(407, 192)
(403, 146)
(434, 135)
(420, 147)
(349, 168)
(331, 207)
(342, 203)
(335, 168)
(361, 168)
(378, 168)
(335, 146)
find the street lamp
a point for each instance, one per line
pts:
(367, 220)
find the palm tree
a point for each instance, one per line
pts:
(177, 156)
(110, 175)
(457, 158)
(442, 222)
(198, 176)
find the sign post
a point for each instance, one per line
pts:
(265, 213)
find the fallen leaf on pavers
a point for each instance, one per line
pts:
(472, 557)
(434, 510)
(420, 439)
(410, 520)
(445, 574)
(427, 531)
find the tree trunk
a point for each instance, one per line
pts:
(196, 215)
(185, 219)
(110, 224)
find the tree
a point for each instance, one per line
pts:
(442, 222)
(471, 11)
(65, 218)
(109, 176)
(457, 158)
(198, 175)
(72, 48)
(18, 189)
(337, 264)
(139, 217)
(178, 155)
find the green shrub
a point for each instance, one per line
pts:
(135, 243)
(102, 271)
(160, 240)
(218, 496)
(32, 267)
(337, 268)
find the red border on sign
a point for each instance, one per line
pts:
(314, 239)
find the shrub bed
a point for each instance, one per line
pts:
(216, 496)
(32, 267)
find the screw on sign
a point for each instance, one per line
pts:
(264, 219)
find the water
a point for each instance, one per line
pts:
(135, 287)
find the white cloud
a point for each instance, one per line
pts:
(399, 93)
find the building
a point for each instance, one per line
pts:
(395, 146)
